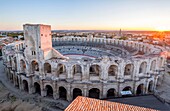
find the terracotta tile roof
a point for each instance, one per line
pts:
(89, 104)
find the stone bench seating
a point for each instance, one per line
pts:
(65, 47)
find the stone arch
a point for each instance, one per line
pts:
(77, 69)
(153, 65)
(128, 69)
(62, 93)
(150, 87)
(77, 92)
(47, 68)
(94, 93)
(25, 86)
(61, 69)
(142, 68)
(112, 71)
(140, 89)
(37, 88)
(95, 70)
(77, 72)
(34, 66)
(127, 88)
(111, 93)
(49, 90)
(23, 66)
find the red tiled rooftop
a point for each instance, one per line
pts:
(90, 104)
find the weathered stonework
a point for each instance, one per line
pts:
(101, 67)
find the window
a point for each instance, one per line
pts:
(41, 34)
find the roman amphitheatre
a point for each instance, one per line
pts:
(67, 67)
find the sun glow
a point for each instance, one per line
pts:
(162, 28)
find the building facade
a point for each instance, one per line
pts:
(70, 66)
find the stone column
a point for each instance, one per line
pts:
(121, 68)
(55, 92)
(69, 74)
(85, 91)
(30, 85)
(104, 91)
(135, 75)
(104, 74)
(20, 83)
(69, 95)
(43, 90)
(85, 73)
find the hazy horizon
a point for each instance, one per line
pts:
(131, 15)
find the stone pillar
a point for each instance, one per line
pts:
(85, 91)
(104, 74)
(134, 88)
(43, 90)
(69, 95)
(85, 73)
(104, 91)
(69, 73)
(135, 75)
(30, 85)
(55, 92)
(121, 68)
(20, 83)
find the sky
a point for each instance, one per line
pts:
(86, 14)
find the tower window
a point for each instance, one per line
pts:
(41, 34)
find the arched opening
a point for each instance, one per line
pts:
(150, 87)
(126, 92)
(142, 68)
(49, 90)
(62, 93)
(112, 70)
(34, 66)
(140, 89)
(77, 69)
(37, 88)
(128, 69)
(25, 86)
(153, 65)
(111, 93)
(47, 68)
(128, 88)
(94, 70)
(94, 93)
(23, 66)
(76, 92)
(61, 69)
(77, 72)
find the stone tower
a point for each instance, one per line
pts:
(37, 40)
(38, 43)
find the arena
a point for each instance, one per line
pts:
(63, 68)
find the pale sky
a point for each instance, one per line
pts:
(86, 14)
